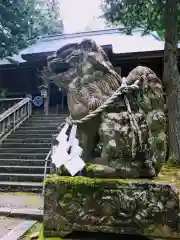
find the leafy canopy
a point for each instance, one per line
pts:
(148, 14)
(45, 18)
(13, 26)
(24, 19)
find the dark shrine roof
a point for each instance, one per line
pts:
(114, 38)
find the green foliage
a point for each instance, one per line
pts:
(24, 19)
(148, 14)
(12, 26)
(44, 18)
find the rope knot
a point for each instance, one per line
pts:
(122, 90)
(69, 120)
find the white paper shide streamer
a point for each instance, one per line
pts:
(68, 152)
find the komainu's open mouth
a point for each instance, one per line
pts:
(59, 66)
(61, 61)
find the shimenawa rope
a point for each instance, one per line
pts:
(124, 88)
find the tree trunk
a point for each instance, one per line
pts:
(172, 79)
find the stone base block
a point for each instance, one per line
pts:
(141, 207)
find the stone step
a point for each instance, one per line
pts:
(47, 121)
(24, 162)
(35, 131)
(24, 169)
(36, 117)
(9, 186)
(24, 145)
(22, 150)
(10, 155)
(41, 113)
(37, 128)
(48, 118)
(16, 135)
(37, 120)
(41, 118)
(24, 177)
(20, 213)
(28, 140)
(42, 124)
(49, 115)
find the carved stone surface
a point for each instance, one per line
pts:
(142, 207)
(123, 144)
(129, 136)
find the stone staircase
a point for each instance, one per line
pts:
(23, 153)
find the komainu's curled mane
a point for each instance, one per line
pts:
(128, 138)
(87, 76)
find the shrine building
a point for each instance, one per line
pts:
(20, 73)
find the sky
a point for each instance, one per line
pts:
(78, 14)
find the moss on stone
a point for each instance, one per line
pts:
(172, 162)
(90, 167)
(78, 194)
(37, 228)
(42, 238)
(164, 230)
(150, 230)
(168, 173)
(77, 180)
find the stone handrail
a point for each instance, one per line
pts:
(45, 169)
(6, 103)
(14, 116)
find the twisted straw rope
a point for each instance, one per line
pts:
(121, 90)
(124, 88)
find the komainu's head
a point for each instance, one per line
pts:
(86, 73)
(73, 61)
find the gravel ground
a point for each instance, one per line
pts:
(7, 224)
(21, 200)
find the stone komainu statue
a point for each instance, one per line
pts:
(128, 138)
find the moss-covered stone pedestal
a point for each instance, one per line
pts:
(149, 208)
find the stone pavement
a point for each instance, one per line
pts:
(15, 228)
(18, 205)
(21, 200)
(7, 224)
